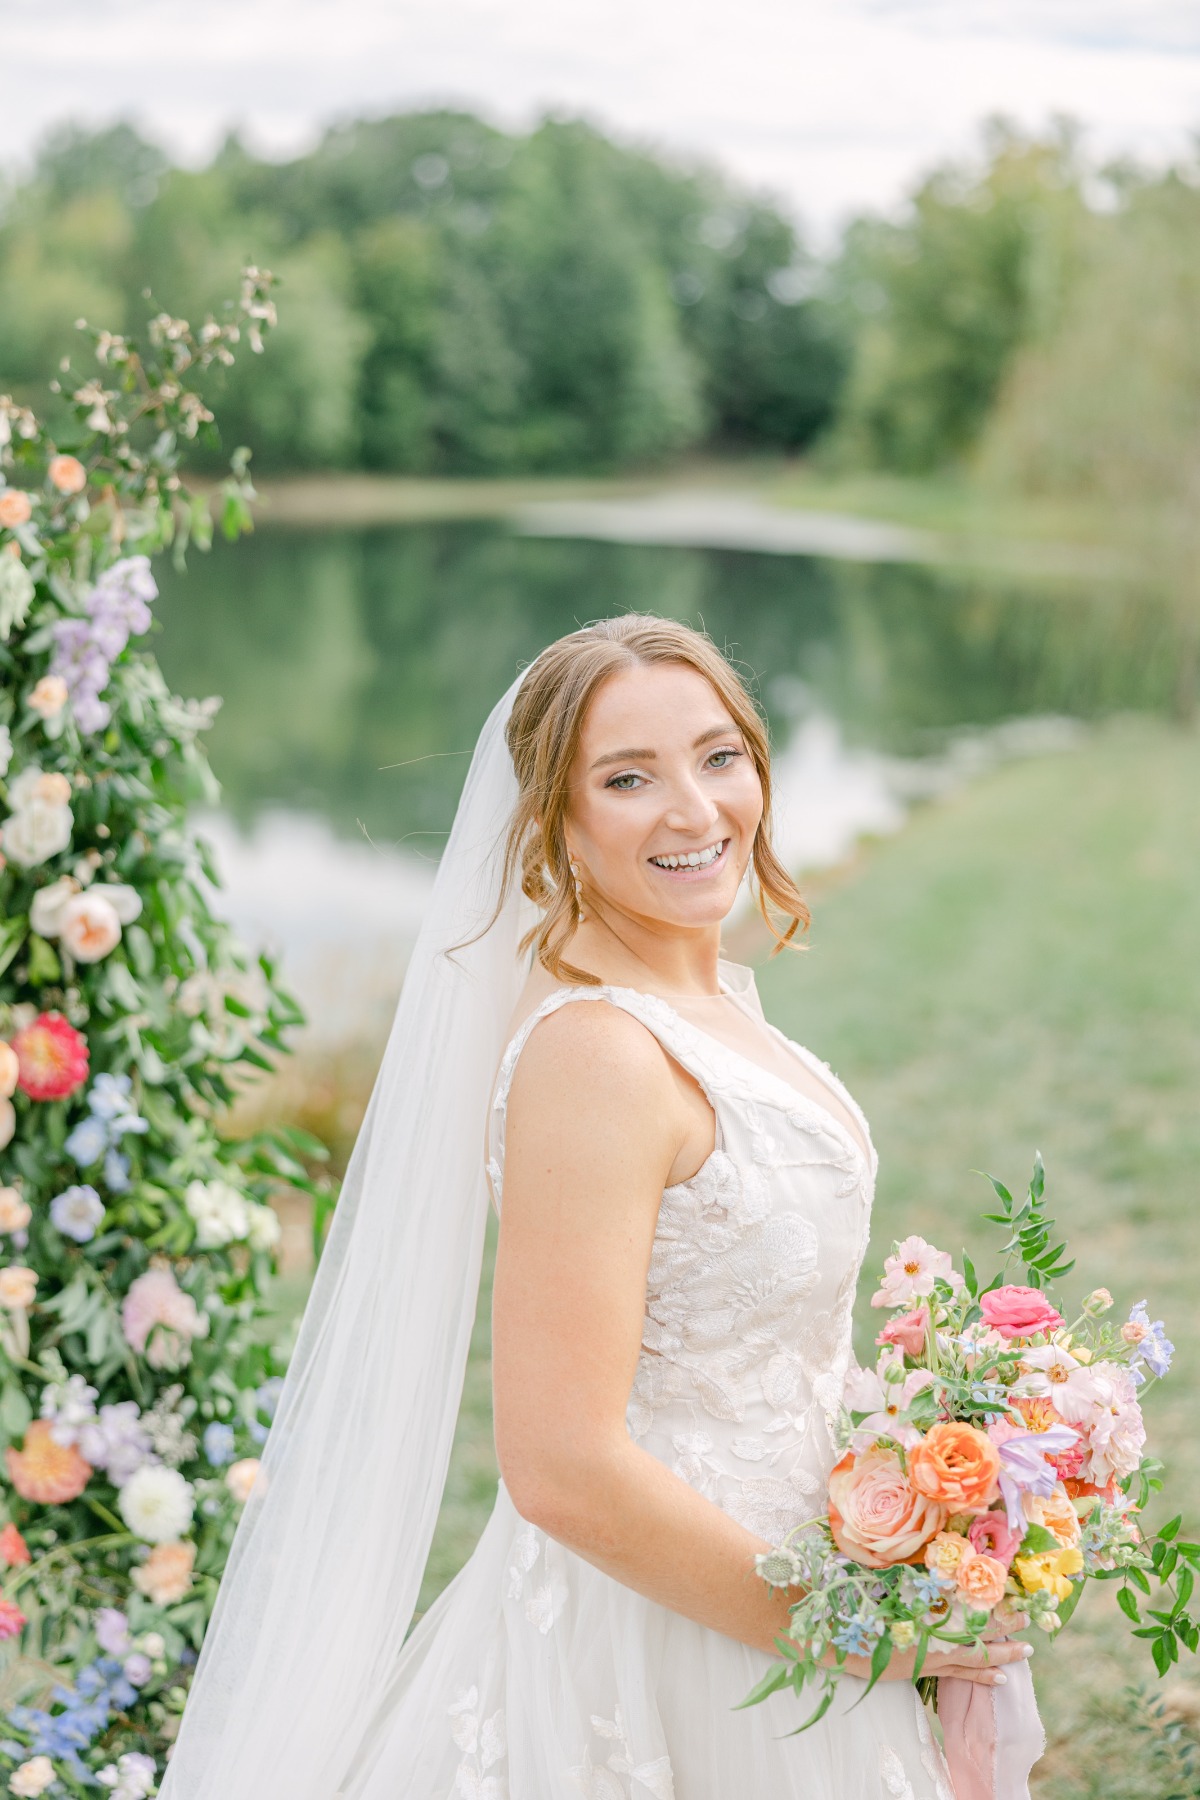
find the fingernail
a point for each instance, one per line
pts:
(1026, 1649)
(1000, 1677)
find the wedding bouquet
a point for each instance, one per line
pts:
(992, 1463)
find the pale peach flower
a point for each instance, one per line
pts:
(67, 474)
(15, 1213)
(18, 1287)
(8, 1120)
(875, 1514)
(981, 1580)
(1133, 1331)
(1057, 1513)
(51, 787)
(14, 507)
(88, 926)
(947, 1552)
(10, 1068)
(166, 1574)
(49, 696)
(240, 1478)
(32, 1778)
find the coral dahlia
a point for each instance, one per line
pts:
(12, 1620)
(13, 1548)
(46, 1471)
(52, 1056)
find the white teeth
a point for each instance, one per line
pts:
(694, 859)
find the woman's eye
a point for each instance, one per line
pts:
(624, 782)
(726, 757)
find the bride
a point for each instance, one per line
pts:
(684, 1200)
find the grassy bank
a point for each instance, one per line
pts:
(1020, 969)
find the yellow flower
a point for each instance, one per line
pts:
(1049, 1569)
(904, 1634)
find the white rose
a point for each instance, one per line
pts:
(125, 901)
(38, 831)
(45, 914)
(5, 749)
(156, 1504)
(32, 1778)
(264, 1230)
(88, 926)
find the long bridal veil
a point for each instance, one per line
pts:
(328, 1558)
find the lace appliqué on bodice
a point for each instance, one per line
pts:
(749, 1290)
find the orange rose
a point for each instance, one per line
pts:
(956, 1465)
(44, 1471)
(1057, 1514)
(876, 1515)
(981, 1580)
(166, 1574)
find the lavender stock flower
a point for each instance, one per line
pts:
(1155, 1349)
(1024, 1467)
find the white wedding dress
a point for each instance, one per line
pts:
(537, 1677)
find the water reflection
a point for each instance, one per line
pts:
(357, 665)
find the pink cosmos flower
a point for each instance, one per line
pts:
(1019, 1311)
(911, 1271)
(883, 1402)
(992, 1535)
(908, 1331)
(156, 1304)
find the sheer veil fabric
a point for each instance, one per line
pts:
(328, 1558)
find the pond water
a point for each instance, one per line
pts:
(356, 667)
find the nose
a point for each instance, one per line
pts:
(691, 811)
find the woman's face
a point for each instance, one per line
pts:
(665, 798)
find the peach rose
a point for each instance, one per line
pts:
(10, 1069)
(1057, 1514)
(18, 1287)
(166, 1574)
(89, 927)
(67, 474)
(15, 1213)
(876, 1515)
(49, 696)
(240, 1478)
(981, 1581)
(1019, 1311)
(14, 507)
(46, 1471)
(956, 1465)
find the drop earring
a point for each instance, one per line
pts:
(581, 916)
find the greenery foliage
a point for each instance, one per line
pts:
(135, 1385)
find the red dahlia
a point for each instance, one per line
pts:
(53, 1058)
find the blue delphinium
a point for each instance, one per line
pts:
(99, 1690)
(218, 1443)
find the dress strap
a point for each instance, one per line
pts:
(658, 1018)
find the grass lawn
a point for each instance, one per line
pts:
(1018, 969)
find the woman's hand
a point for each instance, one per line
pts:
(982, 1663)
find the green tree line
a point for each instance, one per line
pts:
(458, 298)
(461, 299)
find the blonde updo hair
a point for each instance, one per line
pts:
(543, 738)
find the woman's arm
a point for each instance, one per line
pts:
(599, 1122)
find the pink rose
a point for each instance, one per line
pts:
(1019, 1311)
(908, 1331)
(876, 1515)
(992, 1535)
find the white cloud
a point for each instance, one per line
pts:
(834, 104)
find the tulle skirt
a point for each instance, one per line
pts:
(537, 1677)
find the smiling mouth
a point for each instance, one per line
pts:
(691, 862)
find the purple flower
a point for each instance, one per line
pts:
(112, 1630)
(219, 1443)
(76, 1212)
(1023, 1464)
(117, 608)
(117, 1441)
(1155, 1349)
(137, 1669)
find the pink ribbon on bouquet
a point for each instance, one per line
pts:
(992, 1735)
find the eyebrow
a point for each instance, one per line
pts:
(706, 737)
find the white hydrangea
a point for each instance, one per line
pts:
(221, 1213)
(5, 749)
(16, 591)
(156, 1503)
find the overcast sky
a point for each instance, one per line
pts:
(834, 105)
